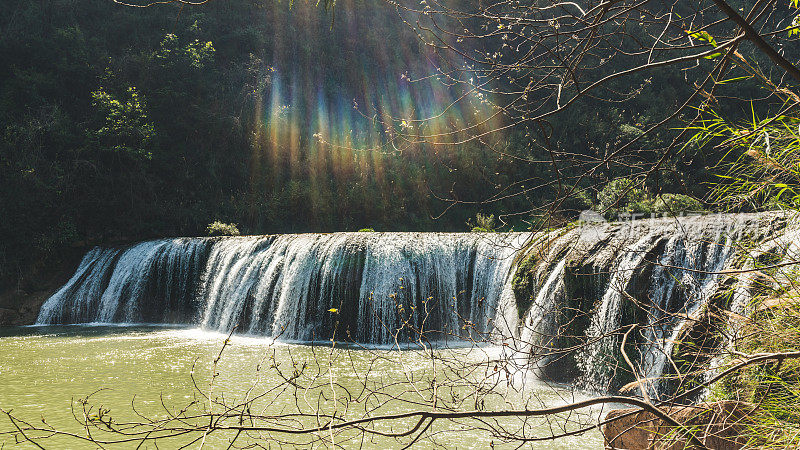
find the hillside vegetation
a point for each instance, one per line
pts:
(127, 123)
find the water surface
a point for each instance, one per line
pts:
(45, 371)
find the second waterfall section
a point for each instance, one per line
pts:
(624, 306)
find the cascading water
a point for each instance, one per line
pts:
(366, 287)
(148, 282)
(677, 294)
(595, 282)
(587, 286)
(599, 364)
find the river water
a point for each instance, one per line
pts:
(157, 371)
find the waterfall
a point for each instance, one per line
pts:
(650, 279)
(150, 282)
(364, 287)
(79, 298)
(563, 300)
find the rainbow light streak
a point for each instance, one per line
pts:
(339, 101)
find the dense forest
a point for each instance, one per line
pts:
(135, 138)
(126, 123)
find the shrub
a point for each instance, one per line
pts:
(484, 223)
(64, 232)
(773, 386)
(366, 230)
(622, 195)
(675, 203)
(217, 228)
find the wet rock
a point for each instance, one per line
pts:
(718, 426)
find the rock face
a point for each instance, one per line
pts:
(20, 301)
(20, 307)
(719, 426)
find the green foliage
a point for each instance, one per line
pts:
(194, 54)
(761, 166)
(704, 36)
(794, 27)
(132, 123)
(366, 230)
(761, 170)
(618, 192)
(64, 232)
(217, 228)
(484, 223)
(623, 195)
(773, 386)
(125, 127)
(676, 203)
(580, 201)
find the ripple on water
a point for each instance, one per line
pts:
(44, 370)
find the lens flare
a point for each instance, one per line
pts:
(340, 97)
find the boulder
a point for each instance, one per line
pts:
(718, 425)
